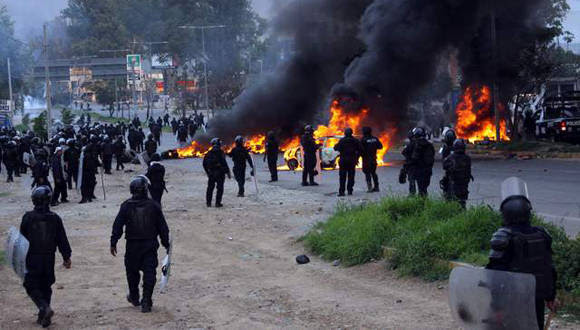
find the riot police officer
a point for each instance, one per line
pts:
(409, 168)
(310, 148)
(449, 138)
(150, 145)
(457, 168)
(71, 162)
(119, 150)
(350, 151)
(10, 159)
(271, 155)
(216, 168)
(520, 247)
(370, 146)
(143, 221)
(156, 176)
(45, 233)
(107, 154)
(41, 169)
(422, 158)
(59, 177)
(240, 155)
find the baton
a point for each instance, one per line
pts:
(103, 184)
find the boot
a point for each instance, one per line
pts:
(133, 301)
(369, 186)
(146, 302)
(47, 318)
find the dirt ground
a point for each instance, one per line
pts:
(233, 267)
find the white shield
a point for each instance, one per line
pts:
(16, 251)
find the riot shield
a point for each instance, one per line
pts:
(514, 187)
(80, 174)
(489, 299)
(166, 267)
(143, 159)
(255, 176)
(16, 251)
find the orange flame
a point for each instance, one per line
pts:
(475, 116)
(339, 121)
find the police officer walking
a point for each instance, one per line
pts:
(370, 146)
(59, 177)
(271, 155)
(409, 168)
(422, 158)
(119, 150)
(150, 145)
(45, 233)
(350, 151)
(107, 155)
(520, 247)
(449, 138)
(240, 155)
(457, 168)
(156, 176)
(71, 162)
(10, 159)
(310, 148)
(216, 168)
(143, 221)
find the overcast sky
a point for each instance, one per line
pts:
(30, 14)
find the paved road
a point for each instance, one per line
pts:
(554, 185)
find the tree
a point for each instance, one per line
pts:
(105, 94)
(39, 126)
(13, 49)
(67, 116)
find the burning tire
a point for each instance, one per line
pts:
(292, 164)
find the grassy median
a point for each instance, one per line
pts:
(418, 237)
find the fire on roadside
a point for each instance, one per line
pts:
(475, 116)
(339, 121)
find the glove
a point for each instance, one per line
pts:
(472, 178)
(252, 172)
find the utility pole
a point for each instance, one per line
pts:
(10, 86)
(205, 58)
(47, 77)
(494, 89)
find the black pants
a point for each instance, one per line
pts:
(309, 168)
(119, 159)
(88, 186)
(60, 190)
(39, 278)
(347, 171)
(423, 182)
(459, 192)
(72, 175)
(215, 181)
(156, 193)
(108, 163)
(540, 307)
(9, 172)
(141, 256)
(273, 167)
(240, 176)
(370, 171)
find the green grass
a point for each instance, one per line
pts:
(423, 233)
(2, 253)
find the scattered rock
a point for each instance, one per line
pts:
(104, 206)
(60, 287)
(440, 287)
(302, 259)
(336, 263)
(399, 301)
(230, 238)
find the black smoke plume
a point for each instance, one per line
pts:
(325, 42)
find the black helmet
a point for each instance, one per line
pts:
(41, 196)
(459, 146)
(70, 142)
(155, 157)
(150, 136)
(239, 140)
(271, 135)
(367, 130)
(450, 136)
(216, 142)
(516, 210)
(308, 129)
(139, 187)
(419, 133)
(348, 132)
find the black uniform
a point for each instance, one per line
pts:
(58, 175)
(370, 146)
(446, 150)
(45, 232)
(409, 167)
(457, 168)
(90, 169)
(150, 147)
(310, 148)
(107, 156)
(526, 249)
(143, 221)
(156, 175)
(40, 172)
(71, 160)
(119, 151)
(423, 158)
(350, 150)
(272, 151)
(240, 155)
(216, 168)
(182, 134)
(10, 159)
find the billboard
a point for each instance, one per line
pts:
(134, 62)
(163, 61)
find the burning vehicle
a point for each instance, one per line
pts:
(328, 156)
